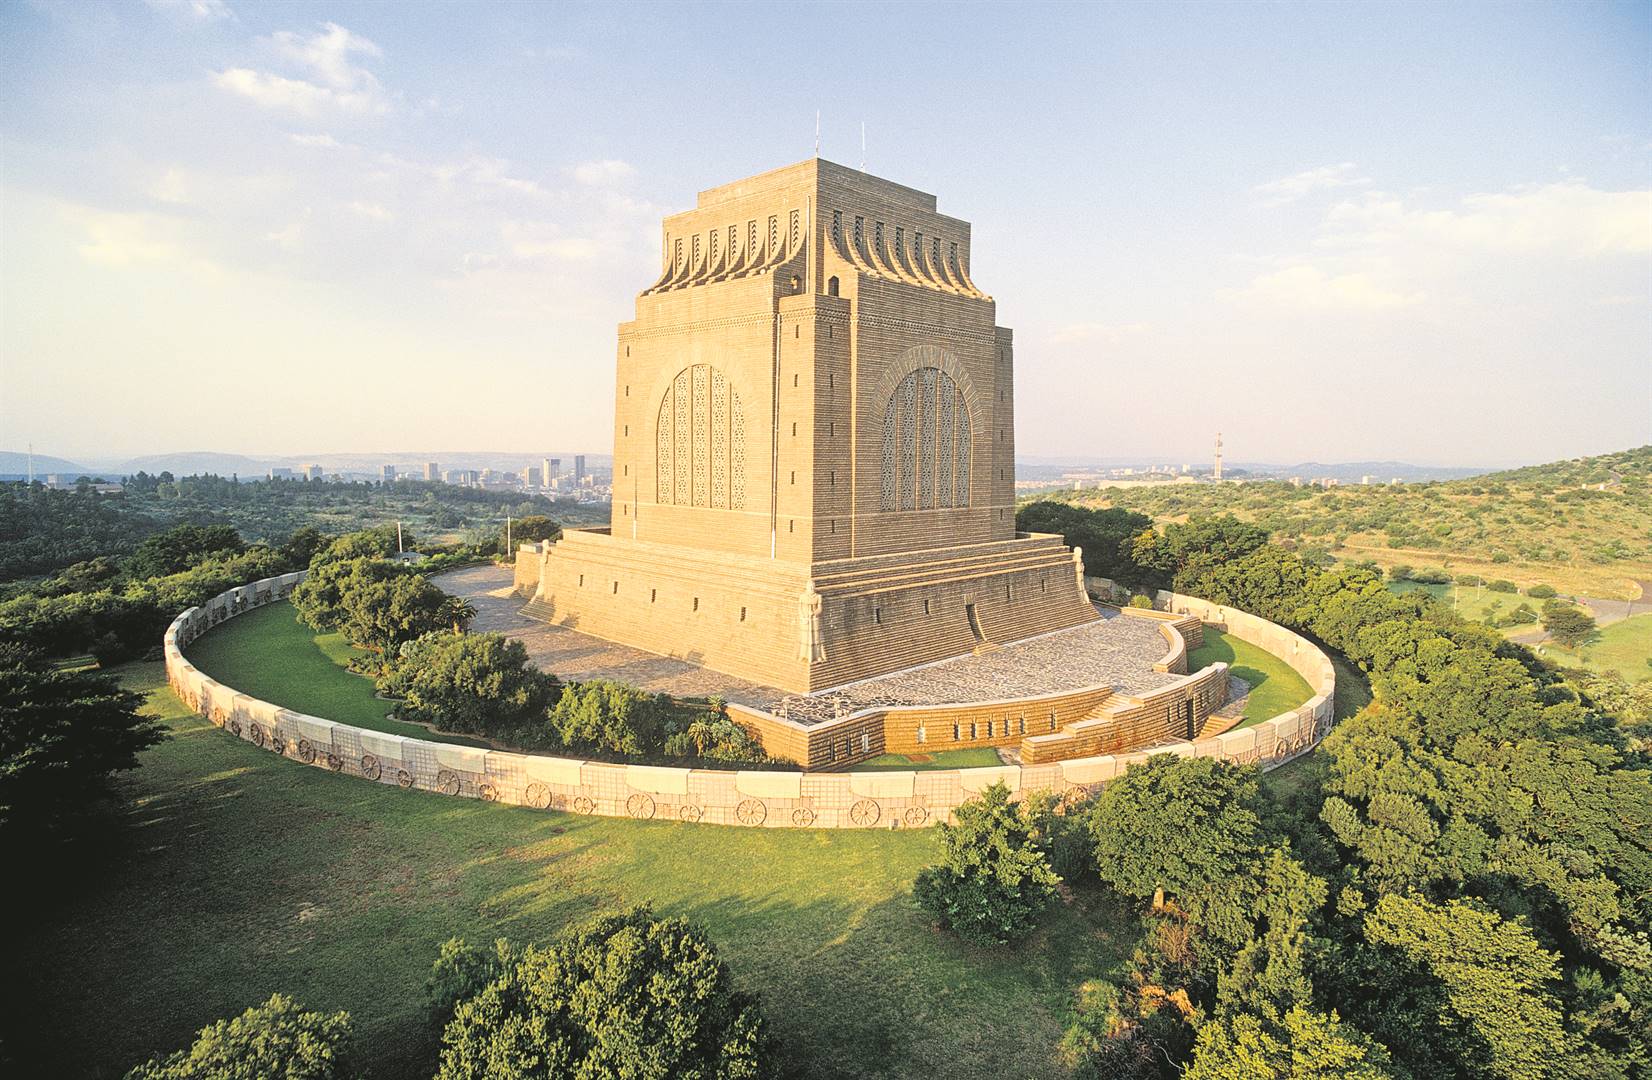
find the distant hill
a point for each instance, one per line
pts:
(196, 461)
(1609, 469)
(13, 464)
(1353, 471)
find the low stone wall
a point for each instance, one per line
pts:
(731, 797)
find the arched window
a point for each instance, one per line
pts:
(926, 444)
(831, 286)
(700, 442)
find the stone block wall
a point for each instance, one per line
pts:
(746, 798)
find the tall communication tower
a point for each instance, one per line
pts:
(1218, 473)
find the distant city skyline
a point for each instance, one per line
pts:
(1329, 233)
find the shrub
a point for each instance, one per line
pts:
(621, 996)
(1568, 624)
(474, 683)
(1470, 580)
(714, 737)
(277, 1040)
(1140, 601)
(1399, 572)
(1542, 592)
(1430, 575)
(1501, 557)
(612, 716)
(993, 881)
(1502, 585)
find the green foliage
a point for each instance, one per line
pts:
(711, 736)
(623, 997)
(1141, 600)
(1542, 592)
(1430, 575)
(1308, 1046)
(180, 548)
(1502, 585)
(384, 613)
(1399, 572)
(277, 1040)
(1103, 536)
(1188, 827)
(993, 881)
(609, 716)
(1184, 549)
(480, 684)
(1498, 985)
(62, 736)
(534, 528)
(1568, 624)
(1469, 581)
(1059, 825)
(461, 971)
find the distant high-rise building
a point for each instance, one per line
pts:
(454, 476)
(1367, 479)
(1217, 475)
(314, 472)
(281, 474)
(579, 469)
(531, 476)
(432, 471)
(387, 473)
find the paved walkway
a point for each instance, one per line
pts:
(1114, 649)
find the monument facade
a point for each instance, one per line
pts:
(814, 448)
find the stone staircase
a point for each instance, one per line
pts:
(538, 609)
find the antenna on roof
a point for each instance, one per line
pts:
(817, 133)
(863, 146)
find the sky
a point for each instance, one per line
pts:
(1331, 232)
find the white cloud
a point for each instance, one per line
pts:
(372, 211)
(124, 239)
(1327, 177)
(327, 57)
(1569, 219)
(199, 10)
(607, 171)
(288, 238)
(1312, 289)
(320, 140)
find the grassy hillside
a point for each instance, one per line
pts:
(1583, 526)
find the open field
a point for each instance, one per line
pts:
(235, 873)
(940, 759)
(1624, 647)
(1274, 687)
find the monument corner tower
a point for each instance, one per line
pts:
(814, 447)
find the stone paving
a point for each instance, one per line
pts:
(1115, 649)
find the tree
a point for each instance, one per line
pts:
(623, 997)
(1103, 535)
(63, 734)
(181, 547)
(533, 528)
(993, 881)
(277, 1040)
(1185, 548)
(1310, 1046)
(381, 614)
(611, 716)
(319, 598)
(1568, 624)
(476, 683)
(302, 545)
(1497, 982)
(1186, 827)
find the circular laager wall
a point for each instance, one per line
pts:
(750, 798)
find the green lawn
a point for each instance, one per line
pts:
(1274, 687)
(234, 873)
(940, 759)
(1624, 647)
(1475, 603)
(269, 654)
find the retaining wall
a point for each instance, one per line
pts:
(731, 797)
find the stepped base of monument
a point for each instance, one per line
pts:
(755, 618)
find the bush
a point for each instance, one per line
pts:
(1568, 624)
(611, 716)
(479, 684)
(277, 1040)
(1501, 557)
(1502, 585)
(623, 996)
(1542, 592)
(993, 881)
(1430, 575)
(714, 737)
(63, 734)
(1469, 581)
(1140, 601)
(1399, 572)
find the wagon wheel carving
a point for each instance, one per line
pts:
(488, 792)
(584, 804)
(865, 812)
(278, 743)
(370, 767)
(257, 735)
(1247, 757)
(334, 762)
(235, 727)
(306, 751)
(404, 778)
(447, 782)
(690, 812)
(915, 816)
(751, 812)
(538, 795)
(640, 806)
(803, 817)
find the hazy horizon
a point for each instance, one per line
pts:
(1331, 234)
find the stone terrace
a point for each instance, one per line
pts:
(1115, 650)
